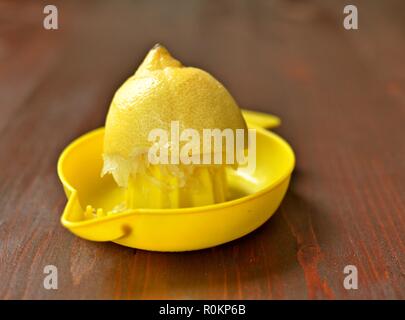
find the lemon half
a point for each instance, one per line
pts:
(162, 90)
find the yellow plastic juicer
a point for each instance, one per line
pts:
(127, 208)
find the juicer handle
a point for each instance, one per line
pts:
(260, 119)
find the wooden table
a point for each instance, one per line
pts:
(340, 94)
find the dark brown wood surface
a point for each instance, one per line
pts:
(341, 97)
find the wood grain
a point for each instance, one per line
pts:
(340, 94)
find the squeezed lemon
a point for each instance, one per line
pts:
(162, 90)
